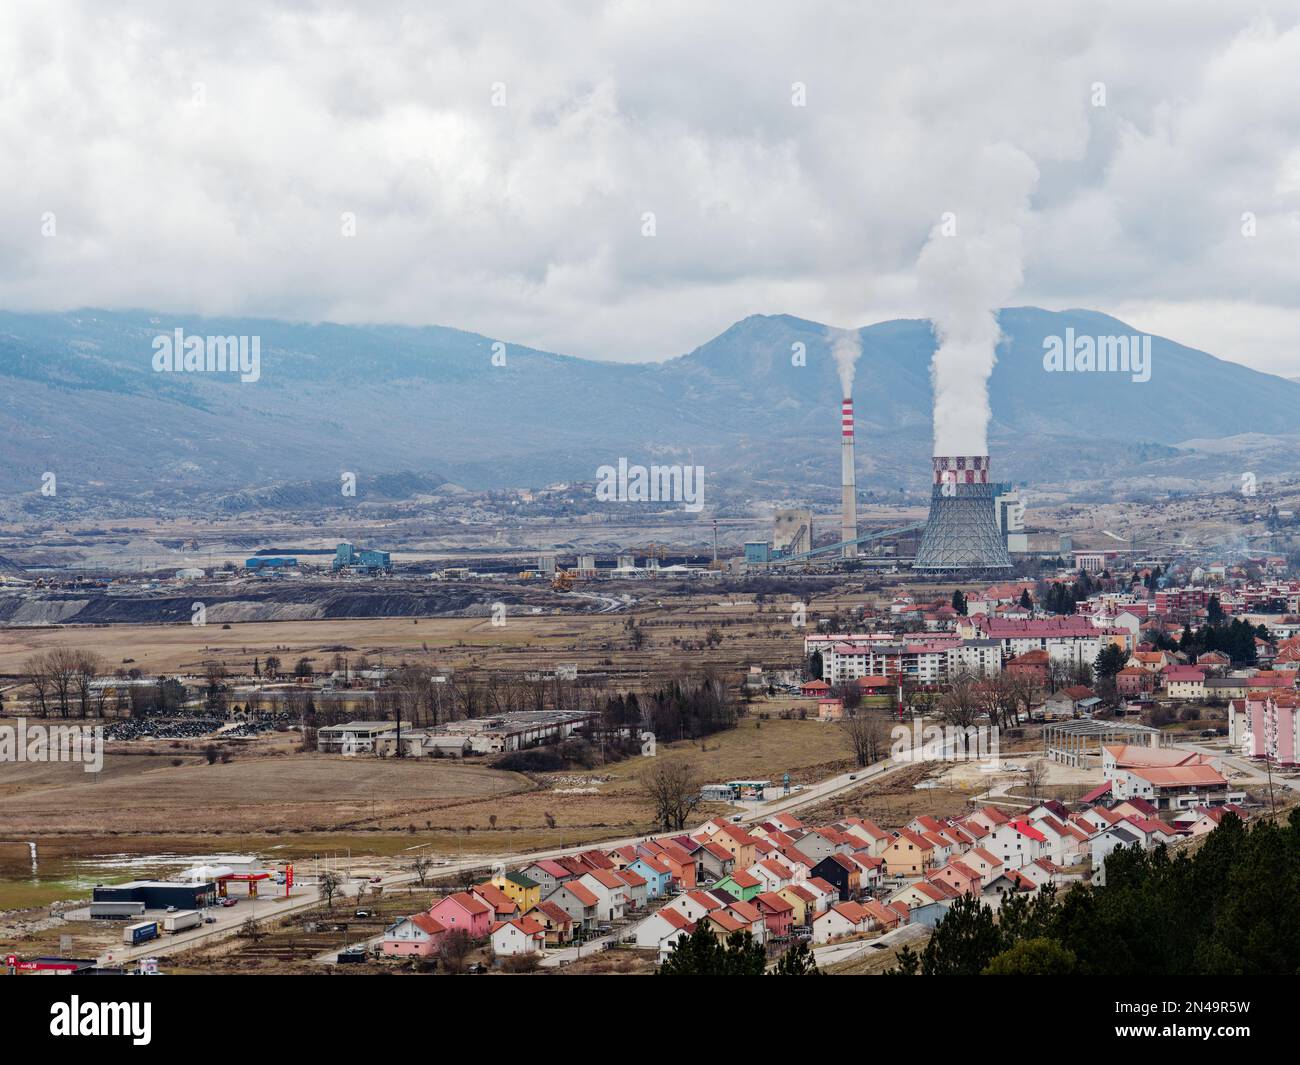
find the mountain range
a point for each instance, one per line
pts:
(81, 399)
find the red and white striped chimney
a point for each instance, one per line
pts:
(848, 482)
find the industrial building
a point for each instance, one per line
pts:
(963, 534)
(792, 532)
(158, 894)
(348, 559)
(355, 737)
(270, 562)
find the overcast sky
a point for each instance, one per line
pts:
(202, 162)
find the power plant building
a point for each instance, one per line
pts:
(963, 533)
(792, 532)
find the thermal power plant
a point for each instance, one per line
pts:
(962, 532)
(792, 532)
(848, 482)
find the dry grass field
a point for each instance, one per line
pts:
(306, 792)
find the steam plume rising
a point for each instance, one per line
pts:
(846, 347)
(965, 277)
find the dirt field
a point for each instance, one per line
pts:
(142, 812)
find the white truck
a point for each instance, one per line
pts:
(181, 920)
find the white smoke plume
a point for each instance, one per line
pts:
(846, 347)
(964, 278)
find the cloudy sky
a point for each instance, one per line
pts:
(501, 162)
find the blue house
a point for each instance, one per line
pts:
(658, 877)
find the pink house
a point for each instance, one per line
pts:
(463, 910)
(778, 914)
(417, 936)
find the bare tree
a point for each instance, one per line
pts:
(866, 732)
(960, 704)
(420, 866)
(250, 929)
(330, 884)
(36, 672)
(1035, 776)
(673, 790)
(454, 948)
(88, 668)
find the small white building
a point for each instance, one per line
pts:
(523, 935)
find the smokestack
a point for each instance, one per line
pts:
(962, 532)
(848, 481)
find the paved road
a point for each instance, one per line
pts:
(838, 952)
(1246, 766)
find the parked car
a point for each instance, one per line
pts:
(364, 913)
(228, 902)
(476, 968)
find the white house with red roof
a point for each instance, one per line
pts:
(841, 919)
(661, 930)
(610, 890)
(522, 935)
(694, 905)
(1016, 843)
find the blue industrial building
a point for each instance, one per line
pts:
(347, 557)
(271, 562)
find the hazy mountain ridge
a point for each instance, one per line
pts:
(81, 400)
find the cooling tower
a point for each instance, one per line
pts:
(848, 482)
(962, 531)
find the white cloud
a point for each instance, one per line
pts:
(525, 221)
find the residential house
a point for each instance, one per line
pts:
(637, 889)
(715, 861)
(802, 902)
(1016, 843)
(960, 877)
(661, 931)
(842, 873)
(738, 842)
(840, 920)
(556, 922)
(772, 873)
(610, 891)
(417, 936)
(694, 905)
(522, 935)
(463, 911)
(503, 906)
(743, 885)
(911, 854)
(983, 862)
(778, 913)
(1105, 843)
(658, 877)
(548, 875)
(1011, 881)
(579, 902)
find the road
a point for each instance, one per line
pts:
(1243, 765)
(838, 952)
(228, 926)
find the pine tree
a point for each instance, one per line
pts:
(797, 961)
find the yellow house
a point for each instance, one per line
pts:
(802, 901)
(525, 891)
(909, 855)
